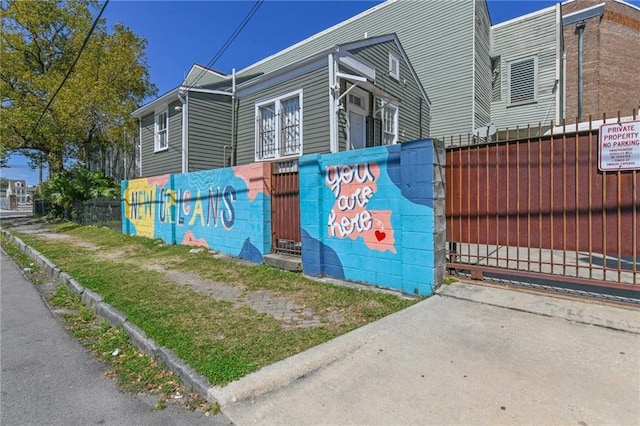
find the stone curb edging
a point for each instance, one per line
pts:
(116, 318)
(260, 382)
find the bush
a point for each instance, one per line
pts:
(66, 190)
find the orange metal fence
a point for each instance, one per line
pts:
(536, 205)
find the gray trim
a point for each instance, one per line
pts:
(581, 15)
(167, 98)
(278, 77)
(201, 90)
(171, 96)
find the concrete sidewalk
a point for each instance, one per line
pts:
(470, 355)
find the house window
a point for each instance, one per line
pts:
(161, 131)
(387, 113)
(279, 127)
(394, 66)
(522, 80)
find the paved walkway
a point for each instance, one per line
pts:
(471, 355)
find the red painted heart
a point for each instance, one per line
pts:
(380, 235)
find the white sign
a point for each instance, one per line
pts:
(619, 146)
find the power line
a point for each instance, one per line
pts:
(230, 40)
(84, 44)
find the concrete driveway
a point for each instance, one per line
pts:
(470, 355)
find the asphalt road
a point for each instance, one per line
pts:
(48, 378)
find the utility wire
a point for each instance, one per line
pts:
(230, 40)
(84, 44)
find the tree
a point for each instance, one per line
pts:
(91, 112)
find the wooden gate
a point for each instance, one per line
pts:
(538, 207)
(285, 208)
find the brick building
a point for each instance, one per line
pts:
(610, 33)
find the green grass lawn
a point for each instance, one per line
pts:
(221, 340)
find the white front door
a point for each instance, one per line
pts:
(357, 130)
(357, 110)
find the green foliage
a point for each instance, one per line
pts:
(67, 189)
(40, 39)
(133, 371)
(222, 340)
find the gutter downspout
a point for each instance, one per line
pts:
(234, 135)
(580, 30)
(184, 98)
(473, 67)
(333, 88)
(564, 85)
(559, 113)
(139, 148)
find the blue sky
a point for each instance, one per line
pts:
(180, 33)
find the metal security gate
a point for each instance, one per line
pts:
(538, 208)
(285, 208)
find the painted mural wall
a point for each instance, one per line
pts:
(227, 210)
(374, 216)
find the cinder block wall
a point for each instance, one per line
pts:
(227, 210)
(376, 216)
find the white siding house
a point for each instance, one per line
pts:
(526, 60)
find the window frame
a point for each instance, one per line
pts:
(496, 78)
(394, 72)
(384, 105)
(534, 98)
(156, 131)
(278, 128)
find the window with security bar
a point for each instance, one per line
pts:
(279, 127)
(522, 80)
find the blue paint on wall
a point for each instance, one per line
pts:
(250, 252)
(414, 177)
(319, 259)
(211, 208)
(367, 216)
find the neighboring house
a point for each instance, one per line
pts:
(527, 69)
(349, 96)
(31, 193)
(609, 32)
(17, 188)
(566, 62)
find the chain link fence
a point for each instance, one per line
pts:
(100, 212)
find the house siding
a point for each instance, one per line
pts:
(482, 66)
(209, 131)
(167, 161)
(412, 114)
(315, 114)
(438, 39)
(533, 35)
